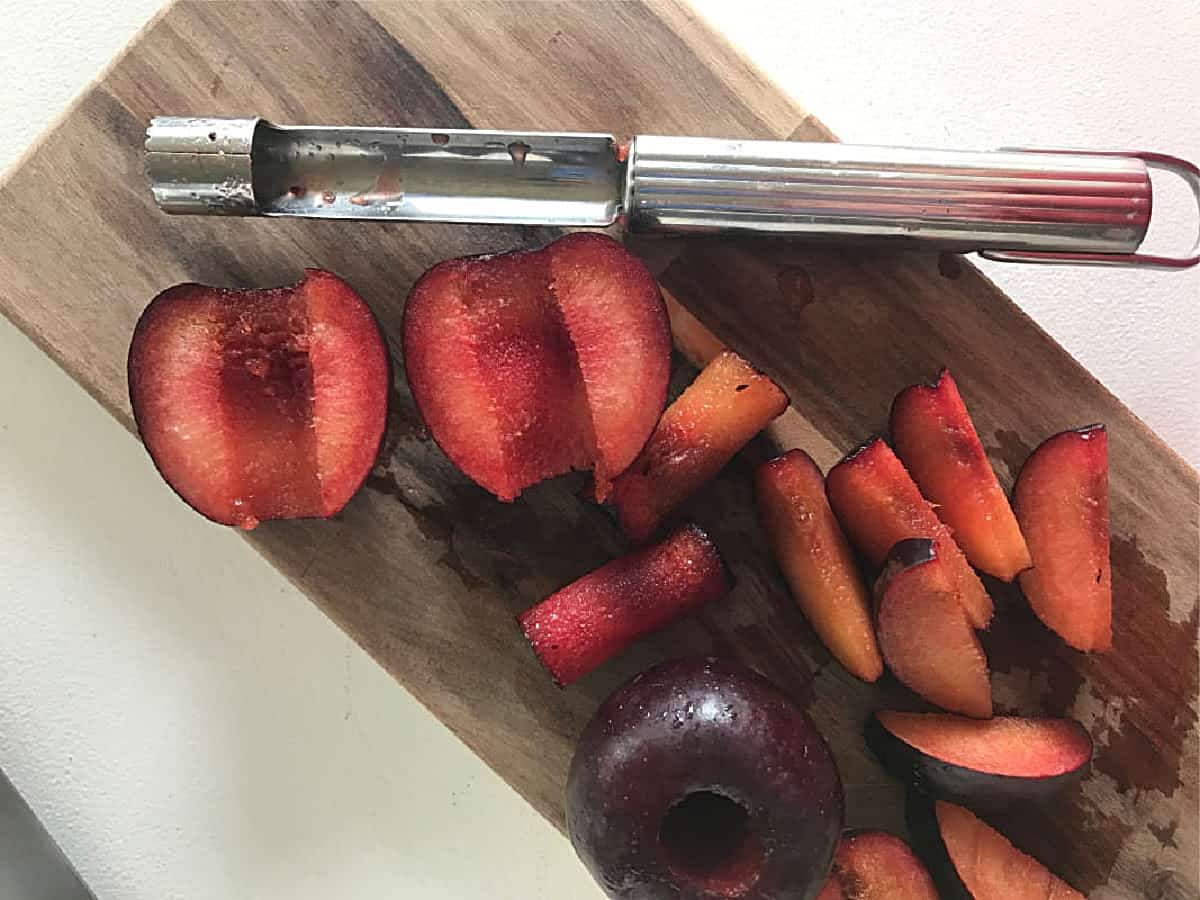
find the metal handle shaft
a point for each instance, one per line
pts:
(1020, 205)
(959, 199)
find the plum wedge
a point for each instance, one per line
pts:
(936, 439)
(817, 561)
(993, 762)
(875, 865)
(577, 628)
(1061, 499)
(261, 404)
(879, 505)
(924, 634)
(530, 364)
(970, 860)
(727, 405)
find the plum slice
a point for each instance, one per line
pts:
(817, 561)
(261, 404)
(936, 439)
(875, 865)
(530, 364)
(577, 628)
(992, 762)
(924, 633)
(727, 405)
(970, 860)
(1061, 498)
(879, 505)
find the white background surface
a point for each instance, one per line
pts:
(188, 725)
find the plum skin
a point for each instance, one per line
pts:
(695, 728)
(926, 835)
(1022, 872)
(941, 779)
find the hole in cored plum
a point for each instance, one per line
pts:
(708, 840)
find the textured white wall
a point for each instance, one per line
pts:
(188, 725)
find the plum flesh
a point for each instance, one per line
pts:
(727, 405)
(529, 364)
(577, 628)
(879, 505)
(970, 860)
(817, 561)
(937, 441)
(1061, 500)
(990, 763)
(924, 634)
(261, 404)
(875, 865)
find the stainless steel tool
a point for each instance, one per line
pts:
(1014, 205)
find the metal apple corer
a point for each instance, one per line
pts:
(1046, 206)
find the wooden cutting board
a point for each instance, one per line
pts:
(427, 572)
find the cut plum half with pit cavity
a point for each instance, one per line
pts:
(530, 364)
(261, 404)
(701, 779)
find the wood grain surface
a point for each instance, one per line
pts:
(427, 572)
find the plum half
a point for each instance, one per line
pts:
(727, 405)
(924, 633)
(970, 860)
(530, 364)
(1061, 498)
(989, 763)
(577, 628)
(875, 865)
(700, 779)
(817, 561)
(261, 404)
(937, 441)
(879, 505)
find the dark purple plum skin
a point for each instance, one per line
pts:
(903, 556)
(703, 724)
(959, 784)
(926, 836)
